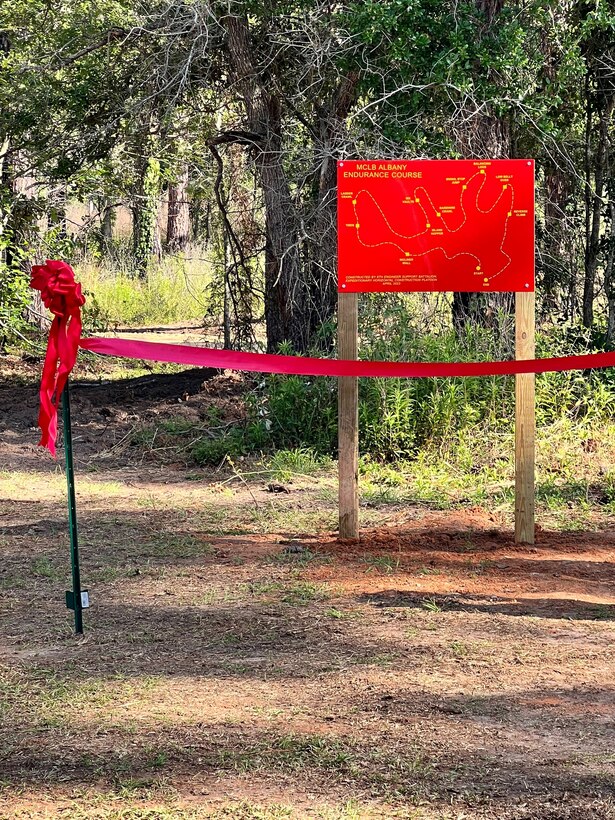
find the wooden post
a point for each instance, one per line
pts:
(525, 420)
(348, 418)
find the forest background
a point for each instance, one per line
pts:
(182, 156)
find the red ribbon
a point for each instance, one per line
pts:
(62, 295)
(305, 366)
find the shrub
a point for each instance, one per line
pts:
(399, 417)
(238, 441)
(15, 295)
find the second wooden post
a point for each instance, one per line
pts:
(525, 421)
(348, 418)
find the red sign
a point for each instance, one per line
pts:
(435, 225)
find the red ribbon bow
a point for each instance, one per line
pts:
(62, 295)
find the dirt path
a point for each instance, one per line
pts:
(239, 661)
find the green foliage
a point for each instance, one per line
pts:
(396, 417)
(299, 411)
(400, 417)
(59, 95)
(284, 464)
(108, 100)
(456, 56)
(236, 442)
(14, 297)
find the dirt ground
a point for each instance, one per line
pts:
(240, 661)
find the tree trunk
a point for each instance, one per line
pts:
(226, 319)
(145, 214)
(5, 197)
(5, 194)
(287, 295)
(557, 278)
(323, 273)
(285, 291)
(490, 8)
(609, 278)
(106, 228)
(56, 215)
(178, 217)
(593, 204)
(19, 224)
(324, 232)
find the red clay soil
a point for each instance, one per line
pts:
(460, 560)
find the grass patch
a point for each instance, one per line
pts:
(431, 605)
(380, 494)
(459, 649)
(173, 291)
(174, 546)
(340, 615)
(44, 567)
(290, 753)
(302, 593)
(291, 519)
(263, 588)
(55, 700)
(300, 461)
(383, 563)
(296, 593)
(252, 811)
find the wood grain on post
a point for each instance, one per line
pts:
(525, 420)
(348, 418)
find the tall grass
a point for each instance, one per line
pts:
(176, 290)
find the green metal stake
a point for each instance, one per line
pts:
(74, 599)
